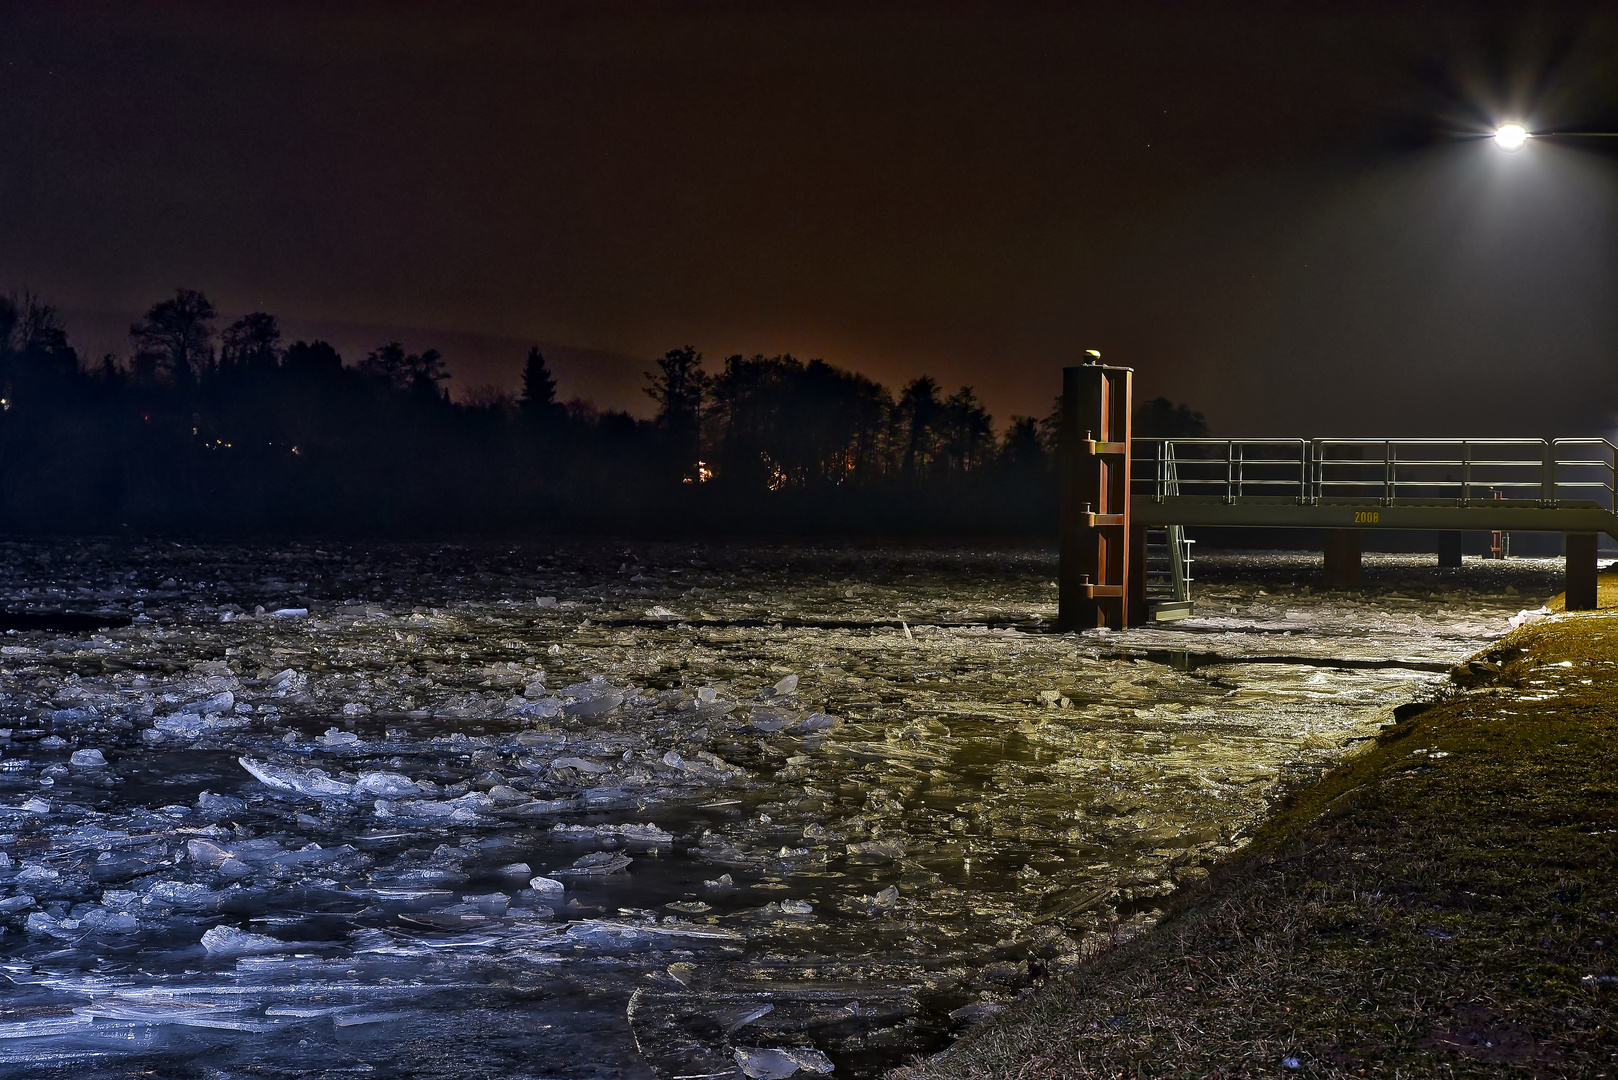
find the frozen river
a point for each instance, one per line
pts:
(630, 810)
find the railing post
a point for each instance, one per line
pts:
(1612, 478)
(1387, 473)
(1466, 473)
(1547, 482)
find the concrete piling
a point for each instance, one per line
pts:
(1342, 563)
(1581, 571)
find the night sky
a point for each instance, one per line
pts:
(1279, 214)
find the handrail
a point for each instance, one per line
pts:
(1380, 471)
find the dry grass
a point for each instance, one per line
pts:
(1444, 906)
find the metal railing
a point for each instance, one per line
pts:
(1380, 471)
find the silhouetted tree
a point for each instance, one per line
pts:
(1160, 418)
(538, 402)
(293, 439)
(252, 343)
(915, 419)
(1022, 450)
(782, 423)
(174, 339)
(312, 359)
(965, 433)
(419, 373)
(680, 388)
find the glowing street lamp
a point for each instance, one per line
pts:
(1510, 137)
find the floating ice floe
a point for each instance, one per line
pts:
(1523, 618)
(762, 1064)
(228, 941)
(596, 864)
(313, 782)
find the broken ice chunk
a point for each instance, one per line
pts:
(976, 1011)
(596, 703)
(181, 894)
(762, 1064)
(40, 922)
(689, 907)
(539, 808)
(390, 785)
(288, 680)
(464, 810)
(785, 687)
(880, 904)
(88, 759)
(222, 702)
(298, 781)
(739, 1016)
(209, 803)
(190, 725)
(582, 765)
(875, 851)
(291, 613)
(547, 888)
(337, 737)
(597, 863)
(612, 934)
(206, 853)
(769, 719)
(634, 831)
(228, 941)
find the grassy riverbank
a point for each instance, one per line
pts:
(1445, 905)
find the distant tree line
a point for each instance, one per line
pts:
(207, 430)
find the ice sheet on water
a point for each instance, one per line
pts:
(902, 799)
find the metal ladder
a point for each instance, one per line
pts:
(1168, 558)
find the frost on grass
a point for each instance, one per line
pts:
(692, 811)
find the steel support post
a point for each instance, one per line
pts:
(1342, 564)
(1093, 464)
(1449, 548)
(1581, 571)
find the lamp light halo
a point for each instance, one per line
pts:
(1511, 137)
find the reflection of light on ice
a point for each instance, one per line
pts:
(432, 809)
